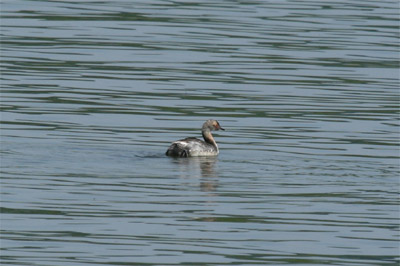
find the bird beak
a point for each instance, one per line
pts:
(221, 128)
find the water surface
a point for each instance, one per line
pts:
(93, 93)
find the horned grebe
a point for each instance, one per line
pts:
(194, 147)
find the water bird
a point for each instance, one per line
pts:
(190, 147)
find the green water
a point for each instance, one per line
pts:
(93, 93)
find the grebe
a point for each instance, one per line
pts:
(194, 147)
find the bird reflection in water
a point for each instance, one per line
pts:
(200, 167)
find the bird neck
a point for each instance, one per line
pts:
(208, 137)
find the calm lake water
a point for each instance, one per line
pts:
(93, 93)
